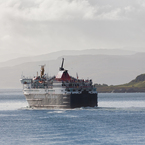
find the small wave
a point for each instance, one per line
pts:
(122, 108)
(25, 108)
(7, 115)
(58, 111)
(82, 108)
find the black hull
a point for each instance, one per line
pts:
(60, 101)
(83, 100)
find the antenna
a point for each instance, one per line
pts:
(61, 68)
(77, 76)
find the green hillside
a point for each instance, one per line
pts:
(139, 82)
(136, 85)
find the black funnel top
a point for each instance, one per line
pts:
(61, 68)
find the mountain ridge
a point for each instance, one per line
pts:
(55, 55)
(107, 69)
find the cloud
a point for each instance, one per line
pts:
(48, 10)
(66, 10)
(42, 26)
(5, 37)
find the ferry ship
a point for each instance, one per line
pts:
(59, 92)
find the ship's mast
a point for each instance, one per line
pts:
(42, 70)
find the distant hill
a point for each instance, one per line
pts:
(139, 78)
(55, 55)
(88, 64)
(136, 85)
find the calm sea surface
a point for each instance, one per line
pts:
(118, 120)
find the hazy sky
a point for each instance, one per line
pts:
(43, 26)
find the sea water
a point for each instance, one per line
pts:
(119, 119)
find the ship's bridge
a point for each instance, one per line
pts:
(26, 81)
